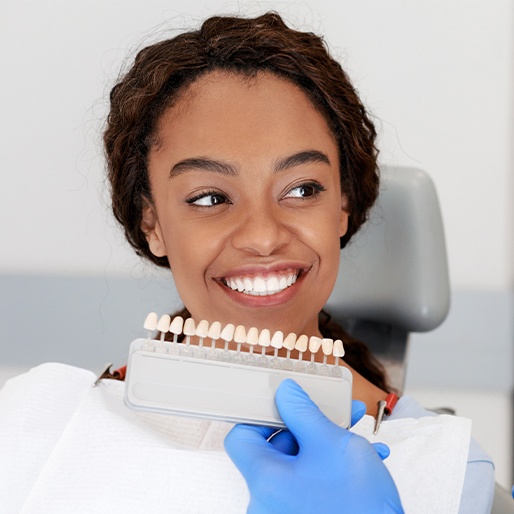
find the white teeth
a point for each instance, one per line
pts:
(272, 285)
(261, 286)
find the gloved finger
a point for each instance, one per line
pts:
(358, 411)
(247, 445)
(302, 416)
(285, 442)
(382, 449)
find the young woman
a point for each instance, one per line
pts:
(239, 152)
(241, 157)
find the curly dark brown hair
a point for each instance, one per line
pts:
(240, 45)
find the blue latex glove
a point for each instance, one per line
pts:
(330, 470)
(285, 441)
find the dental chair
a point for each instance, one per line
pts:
(394, 277)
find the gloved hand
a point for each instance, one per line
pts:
(330, 470)
(285, 441)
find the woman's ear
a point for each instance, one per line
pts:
(345, 214)
(152, 230)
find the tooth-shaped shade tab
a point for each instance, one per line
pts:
(253, 336)
(265, 338)
(277, 340)
(301, 343)
(227, 334)
(314, 344)
(240, 334)
(214, 330)
(176, 325)
(290, 341)
(327, 345)
(189, 327)
(274, 351)
(202, 329)
(338, 348)
(151, 321)
(164, 323)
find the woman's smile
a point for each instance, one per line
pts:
(247, 203)
(265, 283)
(263, 288)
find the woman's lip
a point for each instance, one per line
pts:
(265, 270)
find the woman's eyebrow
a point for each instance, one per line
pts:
(299, 158)
(206, 164)
(202, 163)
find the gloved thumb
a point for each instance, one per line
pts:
(301, 415)
(358, 411)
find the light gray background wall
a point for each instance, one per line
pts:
(437, 75)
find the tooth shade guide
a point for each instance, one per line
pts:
(289, 343)
(163, 325)
(227, 334)
(214, 333)
(189, 330)
(190, 378)
(189, 327)
(201, 332)
(338, 350)
(239, 342)
(240, 336)
(150, 323)
(252, 338)
(301, 346)
(327, 346)
(314, 346)
(176, 327)
(202, 329)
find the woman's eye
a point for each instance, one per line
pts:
(305, 190)
(207, 199)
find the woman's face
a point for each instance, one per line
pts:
(247, 204)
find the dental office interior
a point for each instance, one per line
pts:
(438, 79)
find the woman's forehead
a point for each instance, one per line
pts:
(253, 109)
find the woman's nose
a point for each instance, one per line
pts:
(261, 231)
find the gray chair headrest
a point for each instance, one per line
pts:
(394, 271)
